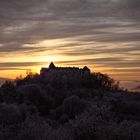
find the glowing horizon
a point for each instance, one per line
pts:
(71, 33)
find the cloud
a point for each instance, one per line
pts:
(20, 64)
(138, 87)
(11, 68)
(87, 28)
(17, 47)
(130, 8)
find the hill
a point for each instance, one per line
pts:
(131, 85)
(137, 88)
(68, 104)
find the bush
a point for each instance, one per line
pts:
(36, 96)
(73, 105)
(8, 91)
(34, 128)
(10, 114)
(61, 133)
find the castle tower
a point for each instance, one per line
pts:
(86, 70)
(52, 66)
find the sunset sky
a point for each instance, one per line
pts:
(102, 34)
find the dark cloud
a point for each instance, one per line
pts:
(17, 47)
(138, 87)
(130, 8)
(100, 50)
(104, 62)
(20, 64)
(11, 68)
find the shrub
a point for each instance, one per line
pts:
(61, 133)
(10, 114)
(9, 92)
(73, 105)
(83, 128)
(34, 128)
(35, 95)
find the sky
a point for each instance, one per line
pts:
(102, 34)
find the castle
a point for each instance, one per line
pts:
(68, 71)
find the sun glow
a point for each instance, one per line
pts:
(49, 58)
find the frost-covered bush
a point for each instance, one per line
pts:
(126, 109)
(61, 133)
(9, 132)
(128, 130)
(34, 128)
(83, 130)
(73, 105)
(10, 114)
(38, 97)
(82, 93)
(28, 110)
(8, 92)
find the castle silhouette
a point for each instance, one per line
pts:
(69, 71)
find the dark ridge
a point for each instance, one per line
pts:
(68, 103)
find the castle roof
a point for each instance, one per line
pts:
(52, 66)
(86, 68)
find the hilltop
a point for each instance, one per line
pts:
(68, 103)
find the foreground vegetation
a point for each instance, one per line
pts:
(91, 107)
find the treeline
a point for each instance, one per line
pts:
(58, 80)
(59, 107)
